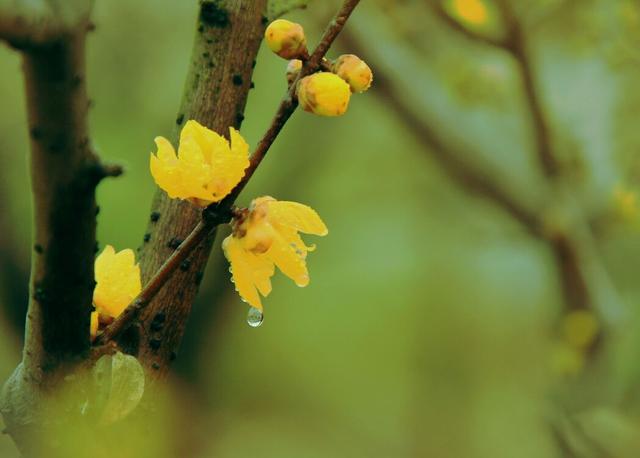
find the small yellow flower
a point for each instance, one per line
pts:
(267, 236)
(354, 71)
(93, 328)
(206, 168)
(580, 328)
(471, 11)
(117, 281)
(286, 39)
(625, 202)
(324, 94)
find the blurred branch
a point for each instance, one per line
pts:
(473, 178)
(14, 267)
(516, 45)
(64, 175)
(566, 251)
(31, 23)
(216, 214)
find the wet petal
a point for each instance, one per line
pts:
(245, 274)
(298, 216)
(211, 143)
(288, 260)
(117, 281)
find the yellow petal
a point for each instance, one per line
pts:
(206, 167)
(210, 142)
(249, 271)
(117, 281)
(93, 328)
(228, 165)
(291, 263)
(298, 216)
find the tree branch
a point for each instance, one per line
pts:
(220, 213)
(34, 23)
(64, 175)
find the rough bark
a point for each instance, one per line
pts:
(64, 175)
(226, 44)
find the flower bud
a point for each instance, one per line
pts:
(286, 39)
(293, 69)
(354, 71)
(324, 94)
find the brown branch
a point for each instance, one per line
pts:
(220, 213)
(31, 24)
(153, 286)
(64, 175)
(518, 47)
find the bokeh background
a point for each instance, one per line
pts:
(434, 324)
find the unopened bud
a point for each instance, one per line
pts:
(354, 71)
(293, 70)
(286, 39)
(324, 94)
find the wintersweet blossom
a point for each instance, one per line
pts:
(324, 94)
(265, 236)
(117, 284)
(206, 168)
(472, 11)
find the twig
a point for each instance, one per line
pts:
(516, 45)
(290, 101)
(219, 213)
(473, 177)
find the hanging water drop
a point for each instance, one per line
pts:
(254, 317)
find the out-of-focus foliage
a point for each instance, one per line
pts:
(431, 326)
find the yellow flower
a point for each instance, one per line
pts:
(93, 328)
(206, 168)
(625, 202)
(354, 71)
(117, 281)
(324, 94)
(266, 236)
(286, 39)
(580, 328)
(471, 11)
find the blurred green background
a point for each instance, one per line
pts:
(432, 324)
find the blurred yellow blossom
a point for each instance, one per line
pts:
(580, 328)
(625, 202)
(566, 360)
(117, 281)
(471, 11)
(265, 236)
(206, 168)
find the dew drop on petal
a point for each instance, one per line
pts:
(254, 317)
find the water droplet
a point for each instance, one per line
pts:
(254, 317)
